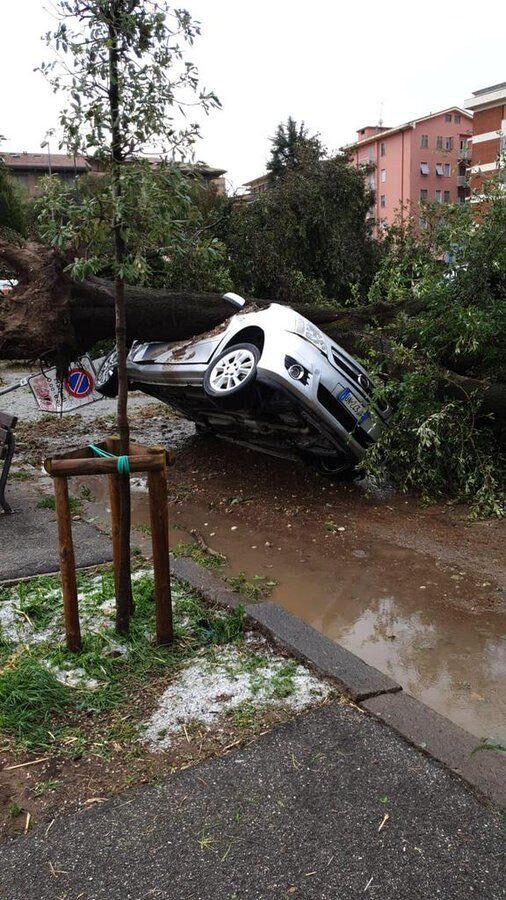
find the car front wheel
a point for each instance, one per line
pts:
(232, 372)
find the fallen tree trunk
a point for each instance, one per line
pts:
(51, 317)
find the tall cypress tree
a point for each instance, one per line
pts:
(291, 146)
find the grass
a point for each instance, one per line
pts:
(15, 810)
(48, 502)
(85, 493)
(280, 683)
(45, 787)
(39, 712)
(21, 475)
(254, 588)
(30, 698)
(200, 555)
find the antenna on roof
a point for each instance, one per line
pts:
(380, 121)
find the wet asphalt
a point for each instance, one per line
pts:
(332, 805)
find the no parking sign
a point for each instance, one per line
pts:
(76, 390)
(79, 383)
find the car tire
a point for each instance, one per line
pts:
(107, 377)
(230, 377)
(336, 468)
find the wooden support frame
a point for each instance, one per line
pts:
(153, 461)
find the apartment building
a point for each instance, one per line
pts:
(420, 161)
(489, 133)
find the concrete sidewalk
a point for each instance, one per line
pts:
(333, 805)
(29, 537)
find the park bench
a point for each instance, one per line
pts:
(7, 445)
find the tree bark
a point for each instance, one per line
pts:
(50, 316)
(124, 599)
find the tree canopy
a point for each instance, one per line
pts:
(292, 145)
(11, 208)
(307, 237)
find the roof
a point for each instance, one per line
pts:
(59, 161)
(405, 125)
(487, 90)
(486, 97)
(255, 181)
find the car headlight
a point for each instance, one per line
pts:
(312, 334)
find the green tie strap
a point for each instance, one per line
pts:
(122, 462)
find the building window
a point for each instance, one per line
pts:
(456, 118)
(439, 143)
(424, 168)
(448, 143)
(447, 196)
(439, 196)
(424, 141)
(383, 175)
(383, 201)
(423, 224)
(383, 149)
(424, 195)
(448, 117)
(370, 152)
(439, 168)
(447, 169)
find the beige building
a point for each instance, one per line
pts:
(255, 188)
(27, 169)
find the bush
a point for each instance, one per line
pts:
(451, 277)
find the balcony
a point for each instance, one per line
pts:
(464, 153)
(462, 181)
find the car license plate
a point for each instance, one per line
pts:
(353, 404)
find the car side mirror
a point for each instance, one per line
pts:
(234, 299)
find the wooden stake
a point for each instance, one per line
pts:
(114, 501)
(67, 564)
(157, 483)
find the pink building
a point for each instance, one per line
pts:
(421, 161)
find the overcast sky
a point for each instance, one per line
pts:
(337, 65)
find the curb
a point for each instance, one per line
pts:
(445, 741)
(378, 694)
(354, 676)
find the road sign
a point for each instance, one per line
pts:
(79, 383)
(76, 390)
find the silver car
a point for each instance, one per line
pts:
(267, 378)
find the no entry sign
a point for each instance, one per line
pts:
(76, 390)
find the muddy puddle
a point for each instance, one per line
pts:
(412, 616)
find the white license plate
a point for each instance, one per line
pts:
(353, 404)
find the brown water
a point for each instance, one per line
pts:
(394, 607)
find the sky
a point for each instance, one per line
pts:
(336, 65)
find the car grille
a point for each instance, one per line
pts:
(363, 382)
(352, 371)
(345, 418)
